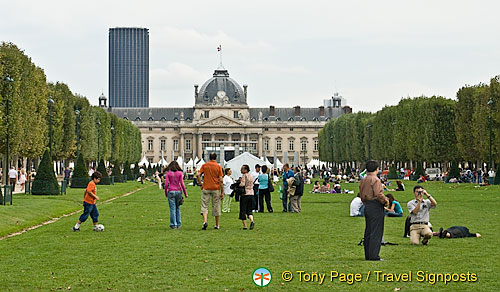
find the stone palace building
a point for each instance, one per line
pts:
(222, 120)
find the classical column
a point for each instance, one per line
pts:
(199, 148)
(260, 146)
(181, 144)
(229, 137)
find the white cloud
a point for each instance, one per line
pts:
(277, 69)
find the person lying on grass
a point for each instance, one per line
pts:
(455, 232)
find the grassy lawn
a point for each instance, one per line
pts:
(139, 252)
(30, 210)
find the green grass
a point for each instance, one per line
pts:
(30, 210)
(139, 252)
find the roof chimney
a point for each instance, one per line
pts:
(321, 111)
(271, 110)
(297, 111)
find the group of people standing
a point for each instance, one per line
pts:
(16, 177)
(255, 191)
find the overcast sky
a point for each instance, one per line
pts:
(371, 52)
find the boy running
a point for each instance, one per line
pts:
(89, 207)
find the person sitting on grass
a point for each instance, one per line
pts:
(317, 187)
(394, 209)
(89, 206)
(401, 186)
(455, 232)
(325, 188)
(357, 208)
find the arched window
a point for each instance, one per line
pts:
(125, 118)
(163, 119)
(150, 119)
(138, 119)
(290, 119)
(303, 119)
(176, 119)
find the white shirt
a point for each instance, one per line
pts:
(227, 181)
(491, 173)
(12, 173)
(91, 171)
(255, 175)
(355, 206)
(142, 171)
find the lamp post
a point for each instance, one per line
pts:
(9, 80)
(490, 103)
(368, 129)
(331, 139)
(51, 105)
(98, 140)
(112, 138)
(77, 113)
(394, 123)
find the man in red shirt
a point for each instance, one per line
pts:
(212, 188)
(89, 207)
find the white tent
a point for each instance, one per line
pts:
(179, 161)
(200, 163)
(279, 164)
(313, 162)
(266, 162)
(244, 158)
(144, 162)
(190, 162)
(162, 162)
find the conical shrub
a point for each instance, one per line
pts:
(45, 182)
(80, 177)
(496, 181)
(117, 172)
(454, 171)
(102, 169)
(392, 172)
(127, 171)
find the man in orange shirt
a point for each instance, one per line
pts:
(212, 188)
(89, 207)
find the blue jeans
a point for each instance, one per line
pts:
(175, 210)
(393, 214)
(89, 209)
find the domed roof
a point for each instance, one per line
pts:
(221, 90)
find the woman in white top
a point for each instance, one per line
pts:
(22, 179)
(227, 181)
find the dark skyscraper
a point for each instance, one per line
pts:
(128, 67)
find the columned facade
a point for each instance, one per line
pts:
(221, 116)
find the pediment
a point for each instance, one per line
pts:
(221, 121)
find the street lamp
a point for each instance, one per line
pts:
(98, 139)
(490, 103)
(51, 105)
(9, 80)
(331, 138)
(394, 123)
(77, 113)
(368, 129)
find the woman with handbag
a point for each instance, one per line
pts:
(246, 200)
(174, 184)
(265, 189)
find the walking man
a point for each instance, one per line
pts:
(372, 196)
(212, 188)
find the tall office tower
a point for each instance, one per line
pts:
(128, 67)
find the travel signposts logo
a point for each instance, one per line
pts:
(261, 277)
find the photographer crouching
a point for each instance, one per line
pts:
(419, 216)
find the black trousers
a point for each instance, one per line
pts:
(255, 204)
(246, 203)
(374, 230)
(264, 194)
